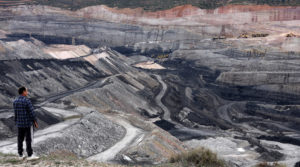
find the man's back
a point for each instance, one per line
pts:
(24, 114)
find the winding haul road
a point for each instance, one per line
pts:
(7, 113)
(222, 111)
(167, 115)
(9, 145)
(180, 129)
(132, 133)
(132, 136)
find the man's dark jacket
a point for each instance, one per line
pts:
(24, 112)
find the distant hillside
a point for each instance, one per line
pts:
(152, 5)
(268, 2)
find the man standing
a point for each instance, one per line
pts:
(25, 119)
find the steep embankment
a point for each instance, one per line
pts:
(244, 95)
(80, 113)
(85, 137)
(132, 133)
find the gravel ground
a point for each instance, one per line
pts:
(59, 158)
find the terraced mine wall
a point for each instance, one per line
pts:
(212, 84)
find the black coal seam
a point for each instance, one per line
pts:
(281, 139)
(47, 63)
(249, 93)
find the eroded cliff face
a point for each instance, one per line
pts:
(101, 25)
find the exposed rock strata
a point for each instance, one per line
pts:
(213, 83)
(65, 113)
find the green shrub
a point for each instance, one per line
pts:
(200, 157)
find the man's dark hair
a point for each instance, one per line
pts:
(21, 90)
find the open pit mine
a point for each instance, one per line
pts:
(134, 86)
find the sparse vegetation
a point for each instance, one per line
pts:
(9, 159)
(198, 157)
(293, 53)
(256, 53)
(243, 36)
(259, 35)
(57, 158)
(6, 155)
(162, 56)
(289, 35)
(265, 164)
(2, 49)
(219, 37)
(12, 161)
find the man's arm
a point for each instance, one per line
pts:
(14, 106)
(31, 111)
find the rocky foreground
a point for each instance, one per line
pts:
(114, 86)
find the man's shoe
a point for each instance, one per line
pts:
(32, 157)
(21, 157)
